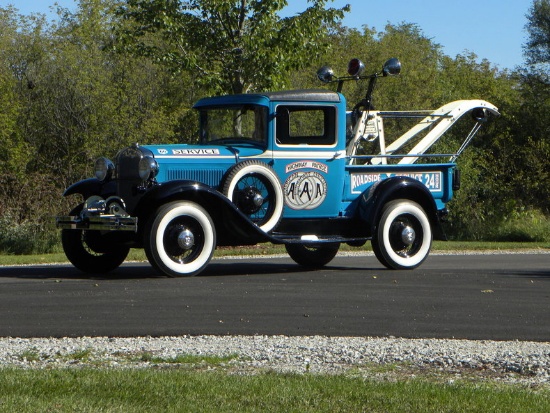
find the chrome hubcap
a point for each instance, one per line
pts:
(186, 239)
(258, 200)
(408, 235)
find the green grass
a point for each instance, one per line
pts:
(175, 390)
(270, 249)
(183, 359)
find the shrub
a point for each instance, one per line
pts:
(28, 205)
(522, 226)
(27, 237)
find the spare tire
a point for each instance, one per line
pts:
(255, 189)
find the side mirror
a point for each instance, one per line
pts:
(325, 74)
(392, 67)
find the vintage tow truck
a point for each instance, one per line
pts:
(285, 167)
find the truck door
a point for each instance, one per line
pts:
(307, 159)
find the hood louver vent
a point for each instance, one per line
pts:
(211, 177)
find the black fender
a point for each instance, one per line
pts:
(89, 187)
(372, 201)
(229, 221)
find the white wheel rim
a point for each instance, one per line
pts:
(417, 213)
(208, 245)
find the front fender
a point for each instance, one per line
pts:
(231, 224)
(89, 187)
(176, 190)
(372, 201)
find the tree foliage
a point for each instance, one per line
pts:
(537, 48)
(533, 135)
(232, 46)
(507, 178)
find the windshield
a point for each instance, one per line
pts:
(234, 124)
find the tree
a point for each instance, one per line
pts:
(537, 48)
(505, 185)
(87, 100)
(233, 46)
(532, 137)
(20, 44)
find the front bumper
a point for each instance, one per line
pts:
(99, 214)
(97, 222)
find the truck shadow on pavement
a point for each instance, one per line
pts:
(143, 270)
(532, 273)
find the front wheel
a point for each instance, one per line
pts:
(180, 239)
(81, 249)
(403, 237)
(312, 256)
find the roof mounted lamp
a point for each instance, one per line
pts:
(392, 67)
(325, 74)
(356, 68)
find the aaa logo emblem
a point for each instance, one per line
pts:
(305, 190)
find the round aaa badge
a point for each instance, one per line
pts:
(305, 190)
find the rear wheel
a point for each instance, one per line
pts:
(403, 237)
(88, 252)
(180, 239)
(312, 256)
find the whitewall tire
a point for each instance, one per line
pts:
(403, 236)
(180, 239)
(255, 189)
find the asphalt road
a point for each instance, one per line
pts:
(498, 297)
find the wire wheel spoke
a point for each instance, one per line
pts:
(252, 197)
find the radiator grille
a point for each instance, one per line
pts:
(127, 164)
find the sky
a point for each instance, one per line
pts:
(492, 29)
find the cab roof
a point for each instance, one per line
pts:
(306, 96)
(317, 95)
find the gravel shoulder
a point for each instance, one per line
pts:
(514, 362)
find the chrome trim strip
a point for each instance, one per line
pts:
(97, 223)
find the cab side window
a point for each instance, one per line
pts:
(306, 125)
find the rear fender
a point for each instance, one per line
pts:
(373, 200)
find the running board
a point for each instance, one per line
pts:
(314, 239)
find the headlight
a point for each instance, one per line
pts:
(148, 168)
(104, 169)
